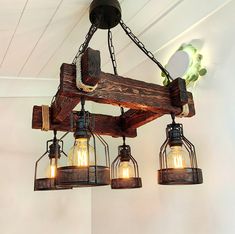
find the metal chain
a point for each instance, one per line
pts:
(112, 51)
(114, 63)
(85, 44)
(147, 52)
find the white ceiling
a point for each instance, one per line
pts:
(36, 37)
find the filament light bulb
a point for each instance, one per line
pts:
(79, 153)
(176, 157)
(125, 170)
(51, 170)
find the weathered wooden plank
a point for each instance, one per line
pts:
(129, 93)
(103, 124)
(62, 106)
(178, 92)
(90, 69)
(137, 118)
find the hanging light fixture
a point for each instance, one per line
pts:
(145, 102)
(178, 162)
(124, 170)
(83, 168)
(48, 180)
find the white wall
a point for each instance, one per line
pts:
(198, 209)
(23, 211)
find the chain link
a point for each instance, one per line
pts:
(112, 51)
(147, 52)
(114, 63)
(85, 44)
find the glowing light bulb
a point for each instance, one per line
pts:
(125, 170)
(176, 157)
(51, 170)
(79, 153)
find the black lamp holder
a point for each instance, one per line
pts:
(83, 123)
(174, 132)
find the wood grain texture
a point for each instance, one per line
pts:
(90, 66)
(102, 124)
(129, 93)
(62, 107)
(178, 92)
(137, 118)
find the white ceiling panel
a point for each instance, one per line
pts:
(166, 27)
(68, 15)
(10, 16)
(35, 20)
(36, 37)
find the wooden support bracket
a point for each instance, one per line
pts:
(103, 124)
(90, 68)
(126, 92)
(146, 101)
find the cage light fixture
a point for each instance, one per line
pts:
(84, 79)
(178, 162)
(83, 168)
(54, 151)
(125, 170)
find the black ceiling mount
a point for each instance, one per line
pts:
(105, 14)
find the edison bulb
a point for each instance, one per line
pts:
(51, 170)
(176, 158)
(79, 153)
(125, 170)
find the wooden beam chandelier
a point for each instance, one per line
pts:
(88, 163)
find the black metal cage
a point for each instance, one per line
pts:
(92, 170)
(54, 151)
(178, 162)
(124, 170)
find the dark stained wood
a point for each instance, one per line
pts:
(178, 92)
(146, 101)
(191, 105)
(103, 124)
(129, 93)
(64, 104)
(136, 118)
(90, 67)
(62, 107)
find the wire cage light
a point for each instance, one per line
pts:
(54, 151)
(178, 162)
(88, 161)
(84, 167)
(124, 170)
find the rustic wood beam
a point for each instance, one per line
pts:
(129, 93)
(136, 118)
(103, 124)
(179, 97)
(90, 69)
(178, 92)
(62, 107)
